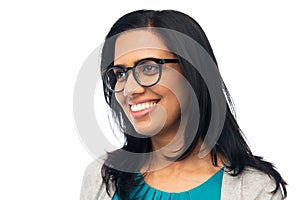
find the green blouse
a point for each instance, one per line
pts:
(209, 190)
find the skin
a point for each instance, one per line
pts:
(165, 118)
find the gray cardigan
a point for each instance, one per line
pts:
(251, 184)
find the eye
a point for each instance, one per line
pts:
(119, 74)
(150, 69)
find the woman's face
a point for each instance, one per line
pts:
(155, 109)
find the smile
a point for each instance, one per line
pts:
(142, 106)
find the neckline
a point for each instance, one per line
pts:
(218, 175)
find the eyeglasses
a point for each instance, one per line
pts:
(147, 72)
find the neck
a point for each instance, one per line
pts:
(159, 163)
(171, 138)
(169, 143)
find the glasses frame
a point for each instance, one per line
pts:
(159, 61)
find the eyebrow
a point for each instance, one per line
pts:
(138, 61)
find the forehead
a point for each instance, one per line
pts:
(139, 43)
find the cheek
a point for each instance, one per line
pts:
(175, 89)
(120, 99)
(183, 92)
(174, 98)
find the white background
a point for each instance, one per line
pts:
(44, 43)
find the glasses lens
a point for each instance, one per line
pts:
(115, 78)
(147, 72)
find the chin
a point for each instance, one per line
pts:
(148, 130)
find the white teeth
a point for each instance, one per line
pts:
(142, 106)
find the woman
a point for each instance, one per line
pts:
(163, 87)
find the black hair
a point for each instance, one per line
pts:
(231, 145)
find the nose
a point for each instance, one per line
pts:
(131, 86)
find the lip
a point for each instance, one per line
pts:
(144, 112)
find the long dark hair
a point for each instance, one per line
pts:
(231, 144)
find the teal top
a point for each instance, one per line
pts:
(209, 190)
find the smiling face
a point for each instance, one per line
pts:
(154, 109)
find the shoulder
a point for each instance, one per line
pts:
(250, 184)
(251, 175)
(92, 187)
